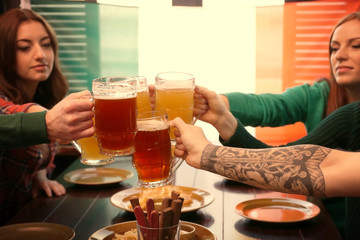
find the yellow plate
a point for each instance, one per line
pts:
(284, 210)
(200, 198)
(35, 231)
(107, 233)
(98, 176)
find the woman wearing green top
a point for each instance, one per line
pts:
(307, 104)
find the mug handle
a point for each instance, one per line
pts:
(76, 145)
(195, 118)
(177, 163)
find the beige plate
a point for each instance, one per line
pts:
(98, 175)
(200, 198)
(284, 210)
(107, 233)
(36, 231)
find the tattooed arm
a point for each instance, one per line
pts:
(301, 169)
(291, 169)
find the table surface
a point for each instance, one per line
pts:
(87, 209)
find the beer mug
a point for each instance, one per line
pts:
(90, 152)
(115, 114)
(174, 94)
(142, 98)
(153, 159)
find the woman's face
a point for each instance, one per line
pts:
(345, 54)
(34, 53)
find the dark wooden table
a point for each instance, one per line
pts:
(87, 209)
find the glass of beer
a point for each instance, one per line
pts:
(90, 152)
(115, 114)
(143, 98)
(174, 94)
(152, 159)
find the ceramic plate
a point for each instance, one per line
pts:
(98, 175)
(199, 198)
(277, 210)
(36, 231)
(107, 233)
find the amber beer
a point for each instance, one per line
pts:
(175, 96)
(115, 114)
(176, 102)
(115, 124)
(152, 158)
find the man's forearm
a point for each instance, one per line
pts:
(22, 129)
(293, 169)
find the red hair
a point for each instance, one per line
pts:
(337, 96)
(48, 92)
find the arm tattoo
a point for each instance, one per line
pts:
(294, 169)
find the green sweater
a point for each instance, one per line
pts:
(339, 130)
(22, 129)
(305, 103)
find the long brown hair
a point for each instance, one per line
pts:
(337, 96)
(48, 92)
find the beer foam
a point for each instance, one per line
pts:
(151, 125)
(175, 85)
(114, 97)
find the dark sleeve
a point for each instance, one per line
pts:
(22, 129)
(340, 130)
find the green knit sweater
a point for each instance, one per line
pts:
(305, 103)
(338, 130)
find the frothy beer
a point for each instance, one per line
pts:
(152, 157)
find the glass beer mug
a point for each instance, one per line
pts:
(174, 94)
(153, 159)
(90, 152)
(115, 114)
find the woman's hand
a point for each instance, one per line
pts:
(211, 108)
(42, 183)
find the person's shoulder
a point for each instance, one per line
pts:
(354, 105)
(319, 85)
(322, 86)
(322, 83)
